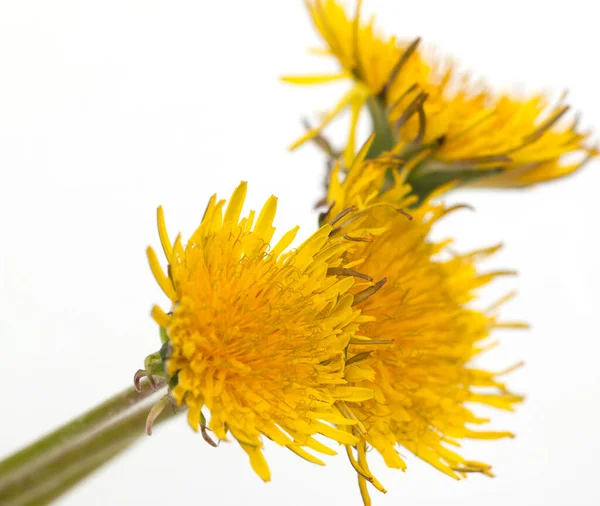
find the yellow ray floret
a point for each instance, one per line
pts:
(257, 334)
(513, 141)
(419, 334)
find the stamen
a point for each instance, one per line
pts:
(479, 160)
(422, 125)
(320, 140)
(359, 357)
(358, 429)
(368, 292)
(323, 215)
(363, 212)
(342, 271)
(399, 64)
(139, 375)
(155, 411)
(366, 238)
(356, 341)
(341, 215)
(403, 212)
(320, 203)
(545, 126)
(411, 108)
(204, 431)
(456, 207)
(391, 108)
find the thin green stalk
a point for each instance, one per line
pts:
(384, 136)
(52, 465)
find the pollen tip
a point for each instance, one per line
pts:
(402, 211)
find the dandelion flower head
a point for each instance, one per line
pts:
(509, 141)
(257, 333)
(422, 332)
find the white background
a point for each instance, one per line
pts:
(110, 108)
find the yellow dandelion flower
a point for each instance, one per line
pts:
(257, 334)
(469, 132)
(420, 335)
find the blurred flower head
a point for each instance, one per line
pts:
(469, 133)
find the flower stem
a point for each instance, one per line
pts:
(384, 137)
(52, 465)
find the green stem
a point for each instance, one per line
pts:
(384, 137)
(52, 465)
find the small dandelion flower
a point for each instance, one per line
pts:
(256, 335)
(420, 334)
(472, 134)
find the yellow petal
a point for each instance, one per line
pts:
(353, 394)
(345, 100)
(356, 105)
(160, 317)
(284, 242)
(163, 235)
(257, 461)
(338, 435)
(234, 207)
(305, 455)
(315, 78)
(163, 281)
(264, 224)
